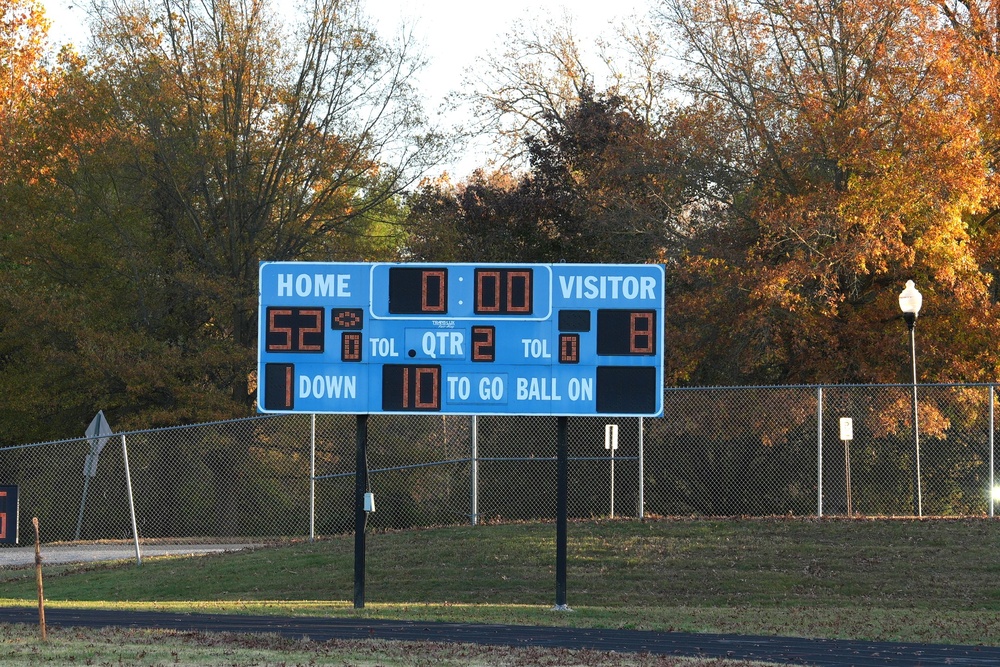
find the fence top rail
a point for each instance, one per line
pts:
(777, 387)
(161, 429)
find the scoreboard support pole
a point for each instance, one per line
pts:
(360, 485)
(562, 511)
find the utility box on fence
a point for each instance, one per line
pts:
(8, 515)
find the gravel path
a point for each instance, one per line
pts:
(60, 554)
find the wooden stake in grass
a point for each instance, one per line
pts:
(38, 576)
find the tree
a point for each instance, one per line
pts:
(544, 70)
(487, 218)
(196, 141)
(23, 43)
(859, 163)
(975, 49)
(602, 187)
(537, 78)
(255, 149)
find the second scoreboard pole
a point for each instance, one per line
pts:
(360, 516)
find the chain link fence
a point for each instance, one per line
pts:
(716, 452)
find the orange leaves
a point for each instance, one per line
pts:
(863, 162)
(23, 79)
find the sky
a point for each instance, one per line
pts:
(454, 33)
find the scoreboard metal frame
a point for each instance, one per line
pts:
(488, 339)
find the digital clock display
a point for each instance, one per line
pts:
(503, 292)
(560, 339)
(418, 291)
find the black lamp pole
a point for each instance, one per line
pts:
(910, 301)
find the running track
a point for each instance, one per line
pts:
(788, 650)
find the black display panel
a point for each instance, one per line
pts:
(484, 347)
(279, 386)
(350, 346)
(411, 388)
(626, 389)
(569, 348)
(294, 330)
(346, 318)
(503, 292)
(8, 514)
(418, 291)
(626, 332)
(574, 320)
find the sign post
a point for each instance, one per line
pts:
(847, 434)
(611, 443)
(462, 339)
(98, 433)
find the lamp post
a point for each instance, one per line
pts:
(910, 301)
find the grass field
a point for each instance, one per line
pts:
(914, 580)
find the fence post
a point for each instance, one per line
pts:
(475, 470)
(131, 502)
(992, 495)
(312, 480)
(819, 452)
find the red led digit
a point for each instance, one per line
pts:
(427, 379)
(414, 291)
(425, 383)
(487, 291)
(281, 332)
(294, 330)
(432, 291)
(288, 386)
(641, 338)
(569, 348)
(503, 292)
(350, 346)
(407, 387)
(279, 383)
(519, 292)
(317, 328)
(626, 332)
(483, 346)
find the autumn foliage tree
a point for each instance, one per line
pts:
(860, 164)
(23, 75)
(194, 141)
(973, 31)
(798, 163)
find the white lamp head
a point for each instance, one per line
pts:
(910, 300)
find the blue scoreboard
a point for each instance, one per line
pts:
(491, 339)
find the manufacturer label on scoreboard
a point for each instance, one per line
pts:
(532, 339)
